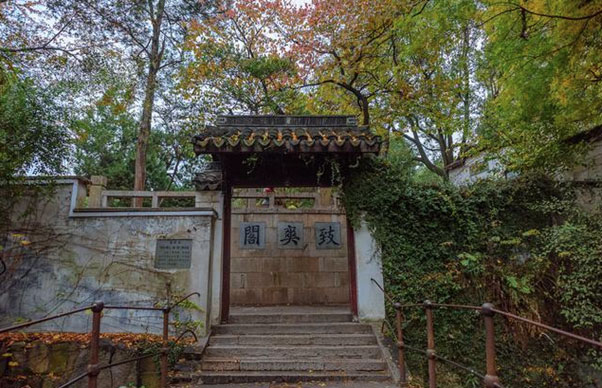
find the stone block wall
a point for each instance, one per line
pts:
(276, 276)
(38, 363)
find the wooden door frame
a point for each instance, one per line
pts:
(352, 264)
(226, 238)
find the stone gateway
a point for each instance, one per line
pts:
(269, 235)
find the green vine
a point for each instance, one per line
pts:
(522, 244)
(173, 355)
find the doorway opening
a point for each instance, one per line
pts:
(283, 151)
(290, 246)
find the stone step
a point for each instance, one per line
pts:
(309, 384)
(286, 339)
(292, 328)
(186, 366)
(362, 351)
(290, 345)
(290, 317)
(272, 364)
(238, 377)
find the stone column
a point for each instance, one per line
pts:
(325, 196)
(99, 184)
(216, 260)
(370, 299)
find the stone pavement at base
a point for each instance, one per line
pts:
(358, 384)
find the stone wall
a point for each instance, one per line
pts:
(298, 274)
(61, 257)
(591, 169)
(474, 168)
(43, 364)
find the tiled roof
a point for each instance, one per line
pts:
(287, 134)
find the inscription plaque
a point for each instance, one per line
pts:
(173, 254)
(328, 235)
(290, 235)
(252, 235)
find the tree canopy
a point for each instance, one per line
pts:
(543, 63)
(447, 79)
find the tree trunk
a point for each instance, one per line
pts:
(144, 129)
(467, 91)
(362, 100)
(365, 110)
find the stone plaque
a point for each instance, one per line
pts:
(252, 235)
(173, 254)
(290, 235)
(328, 235)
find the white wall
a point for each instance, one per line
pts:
(589, 170)
(370, 299)
(71, 259)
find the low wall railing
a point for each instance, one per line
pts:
(94, 368)
(272, 200)
(487, 311)
(155, 196)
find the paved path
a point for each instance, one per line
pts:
(290, 309)
(359, 384)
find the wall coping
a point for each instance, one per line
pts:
(75, 212)
(142, 212)
(287, 211)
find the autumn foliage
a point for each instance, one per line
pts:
(129, 340)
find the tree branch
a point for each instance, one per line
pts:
(552, 16)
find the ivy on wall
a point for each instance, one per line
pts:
(521, 244)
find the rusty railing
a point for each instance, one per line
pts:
(94, 368)
(487, 310)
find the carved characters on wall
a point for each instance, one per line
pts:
(290, 235)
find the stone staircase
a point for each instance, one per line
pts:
(286, 344)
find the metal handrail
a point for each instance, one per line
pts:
(31, 323)
(387, 295)
(107, 366)
(547, 327)
(94, 368)
(508, 315)
(487, 311)
(450, 362)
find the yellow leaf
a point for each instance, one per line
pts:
(13, 364)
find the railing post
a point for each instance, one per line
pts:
(491, 378)
(165, 348)
(400, 347)
(95, 197)
(430, 347)
(93, 370)
(272, 200)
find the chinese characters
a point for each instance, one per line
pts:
(328, 235)
(252, 235)
(173, 253)
(290, 235)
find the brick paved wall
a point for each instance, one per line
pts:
(275, 276)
